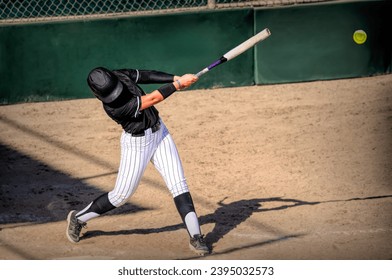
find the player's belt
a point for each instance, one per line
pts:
(154, 128)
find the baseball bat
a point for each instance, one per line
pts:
(265, 33)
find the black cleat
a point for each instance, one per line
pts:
(198, 244)
(74, 227)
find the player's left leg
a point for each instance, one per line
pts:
(186, 209)
(167, 161)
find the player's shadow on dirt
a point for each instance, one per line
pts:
(230, 215)
(226, 218)
(33, 192)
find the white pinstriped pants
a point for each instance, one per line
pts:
(136, 153)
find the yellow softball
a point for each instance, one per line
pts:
(359, 37)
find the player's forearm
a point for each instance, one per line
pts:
(166, 90)
(159, 95)
(151, 99)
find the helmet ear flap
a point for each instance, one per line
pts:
(104, 84)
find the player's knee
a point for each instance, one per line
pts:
(184, 204)
(118, 199)
(178, 188)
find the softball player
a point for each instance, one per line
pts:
(144, 139)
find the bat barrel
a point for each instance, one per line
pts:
(247, 44)
(265, 33)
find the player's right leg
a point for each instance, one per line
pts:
(135, 155)
(77, 220)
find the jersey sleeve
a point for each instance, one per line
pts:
(148, 76)
(132, 108)
(152, 77)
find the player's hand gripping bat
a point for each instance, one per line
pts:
(238, 50)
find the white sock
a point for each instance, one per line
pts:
(192, 223)
(84, 217)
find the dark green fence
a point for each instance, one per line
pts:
(315, 42)
(50, 61)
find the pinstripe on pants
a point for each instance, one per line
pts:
(137, 152)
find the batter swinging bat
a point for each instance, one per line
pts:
(237, 50)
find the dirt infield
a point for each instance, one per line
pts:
(294, 171)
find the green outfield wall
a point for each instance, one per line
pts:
(50, 61)
(315, 42)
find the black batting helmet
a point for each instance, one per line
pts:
(104, 84)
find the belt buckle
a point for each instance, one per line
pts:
(138, 134)
(154, 128)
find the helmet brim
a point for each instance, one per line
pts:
(114, 94)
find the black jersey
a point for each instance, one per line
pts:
(125, 110)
